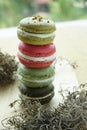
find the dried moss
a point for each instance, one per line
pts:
(8, 68)
(69, 115)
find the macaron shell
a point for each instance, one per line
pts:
(37, 51)
(43, 100)
(34, 40)
(35, 64)
(35, 84)
(39, 77)
(36, 92)
(37, 24)
(44, 29)
(36, 74)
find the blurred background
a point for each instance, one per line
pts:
(11, 11)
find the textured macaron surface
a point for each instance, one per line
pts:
(37, 51)
(39, 77)
(35, 62)
(36, 74)
(36, 56)
(37, 24)
(36, 30)
(34, 40)
(36, 92)
(43, 100)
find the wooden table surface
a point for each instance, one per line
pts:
(71, 44)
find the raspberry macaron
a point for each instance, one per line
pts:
(34, 56)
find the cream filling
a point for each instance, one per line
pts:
(36, 81)
(21, 32)
(48, 58)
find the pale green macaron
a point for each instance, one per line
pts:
(33, 78)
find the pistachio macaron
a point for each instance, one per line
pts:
(36, 30)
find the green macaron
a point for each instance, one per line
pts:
(36, 30)
(40, 77)
(35, 39)
(37, 24)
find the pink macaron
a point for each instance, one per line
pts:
(36, 56)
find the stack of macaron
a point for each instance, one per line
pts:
(36, 53)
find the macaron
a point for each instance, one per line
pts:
(43, 100)
(36, 92)
(36, 30)
(36, 56)
(36, 77)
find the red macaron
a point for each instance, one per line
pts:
(36, 56)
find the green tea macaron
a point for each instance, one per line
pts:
(36, 77)
(36, 30)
